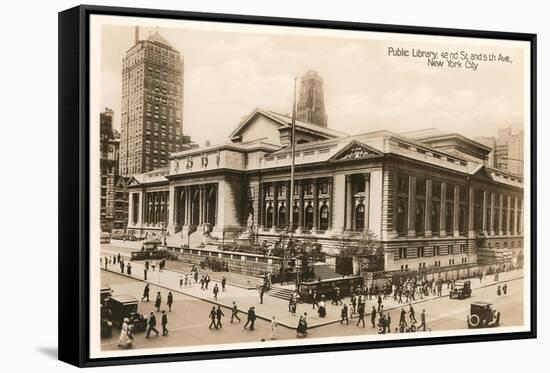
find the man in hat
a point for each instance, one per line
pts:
(145, 293)
(251, 318)
(164, 322)
(151, 325)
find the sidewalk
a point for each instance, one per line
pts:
(272, 306)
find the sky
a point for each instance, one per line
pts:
(228, 74)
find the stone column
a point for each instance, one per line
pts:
(520, 215)
(171, 206)
(428, 210)
(275, 208)
(456, 211)
(300, 207)
(140, 209)
(367, 201)
(443, 211)
(515, 218)
(192, 206)
(131, 209)
(411, 230)
(500, 214)
(471, 212)
(261, 205)
(484, 222)
(492, 217)
(315, 206)
(508, 215)
(201, 196)
(349, 199)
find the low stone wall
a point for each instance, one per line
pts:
(243, 263)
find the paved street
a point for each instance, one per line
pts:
(188, 322)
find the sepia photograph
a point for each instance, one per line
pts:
(264, 186)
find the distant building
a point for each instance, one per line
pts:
(491, 142)
(152, 105)
(311, 104)
(509, 150)
(108, 165)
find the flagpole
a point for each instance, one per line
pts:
(292, 156)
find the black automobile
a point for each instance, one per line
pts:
(126, 306)
(461, 290)
(482, 315)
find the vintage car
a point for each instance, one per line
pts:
(105, 237)
(104, 294)
(482, 315)
(151, 249)
(126, 306)
(461, 290)
(118, 234)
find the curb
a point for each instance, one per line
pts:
(211, 301)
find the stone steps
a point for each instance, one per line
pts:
(281, 293)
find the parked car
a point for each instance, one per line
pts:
(118, 234)
(151, 249)
(482, 315)
(105, 237)
(461, 290)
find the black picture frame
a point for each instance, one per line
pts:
(74, 183)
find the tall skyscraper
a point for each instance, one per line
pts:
(152, 105)
(108, 168)
(311, 104)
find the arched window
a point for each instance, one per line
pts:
(323, 218)
(308, 217)
(359, 217)
(282, 216)
(269, 217)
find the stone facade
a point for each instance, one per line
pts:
(430, 204)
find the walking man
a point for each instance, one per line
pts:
(361, 311)
(373, 317)
(145, 293)
(423, 321)
(212, 316)
(223, 284)
(164, 322)
(235, 313)
(181, 281)
(262, 290)
(251, 318)
(219, 315)
(169, 301)
(215, 291)
(129, 269)
(379, 302)
(158, 301)
(344, 314)
(412, 317)
(151, 325)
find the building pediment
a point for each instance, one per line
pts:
(355, 150)
(132, 182)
